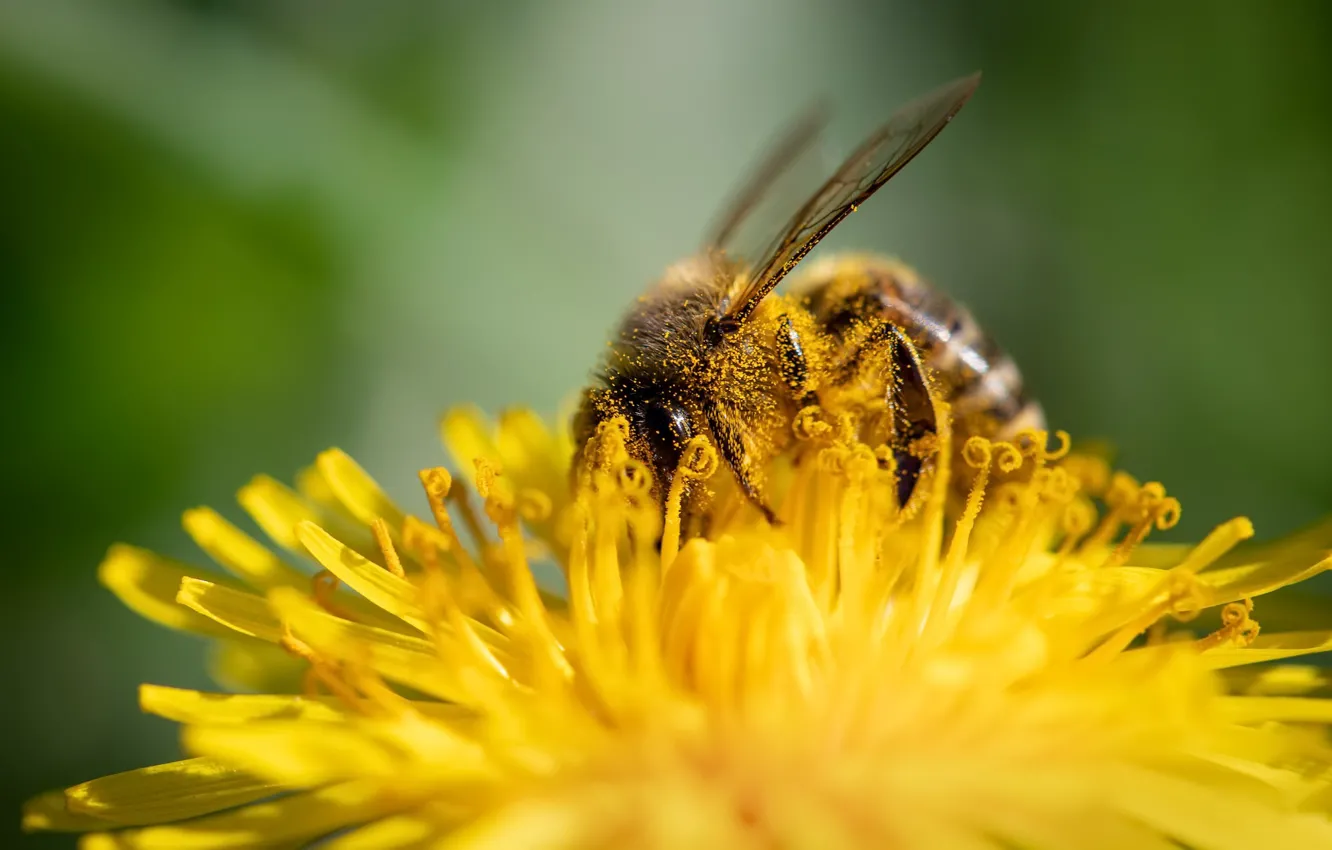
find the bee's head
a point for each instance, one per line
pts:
(661, 424)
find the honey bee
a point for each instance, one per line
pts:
(711, 349)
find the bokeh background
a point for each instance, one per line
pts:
(235, 233)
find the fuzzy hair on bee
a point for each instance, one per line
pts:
(712, 350)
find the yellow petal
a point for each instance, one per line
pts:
(243, 612)
(1294, 609)
(50, 812)
(148, 584)
(240, 553)
(296, 817)
(1160, 556)
(1277, 680)
(1059, 814)
(167, 792)
(200, 708)
(276, 509)
(395, 595)
(1254, 579)
(1286, 709)
(255, 667)
(395, 833)
(252, 615)
(466, 435)
(1269, 647)
(295, 753)
(1309, 545)
(530, 454)
(1205, 817)
(357, 491)
(407, 660)
(532, 825)
(1096, 602)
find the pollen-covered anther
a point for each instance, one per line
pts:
(1054, 485)
(832, 459)
(499, 505)
(1237, 626)
(1122, 490)
(392, 562)
(1010, 457)
(1034, 443)
(860, 463)
(1065, 446)
(437, 483)
(1185, 596)
(977, 452)
(610, 441)
(1149, 508)
(1146, 502)
(487, 471)
(633, 477)
(1168, 513)
(1161, 515)
(699, 460)
(811, 424)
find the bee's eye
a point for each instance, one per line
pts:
(667, 429)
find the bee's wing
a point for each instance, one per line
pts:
(881, 156)
(761, 204)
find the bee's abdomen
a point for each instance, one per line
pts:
(970, 370)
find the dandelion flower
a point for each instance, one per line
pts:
(1007, 672)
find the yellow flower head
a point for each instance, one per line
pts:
(996, 671)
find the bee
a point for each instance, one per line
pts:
(712, 350)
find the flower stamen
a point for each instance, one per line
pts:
(475, 588)
(978, 453)
(379, 528)
(1236, 626)
(1151, 509)
(863, 675)
(518, 579)
(319, 672)
(697, 463)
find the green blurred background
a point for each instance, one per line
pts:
(235, 233)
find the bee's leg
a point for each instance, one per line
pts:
(910, 401)
(731, 444)
(795, 369)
